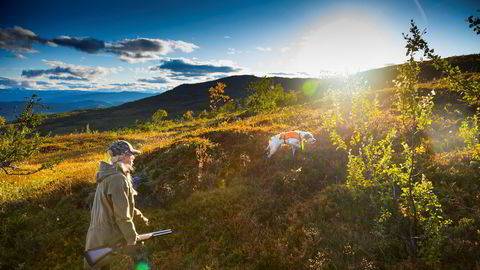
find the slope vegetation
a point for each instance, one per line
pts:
(209, 181)
(230, 208)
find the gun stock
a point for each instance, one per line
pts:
(93, 256)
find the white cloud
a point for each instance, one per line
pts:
(234, 51)
(183, 46)
(64, 76)
(291, 74)
(82, 71)
(264, 49)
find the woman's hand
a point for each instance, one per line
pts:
(145, 220)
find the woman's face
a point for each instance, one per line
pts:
(128, 159)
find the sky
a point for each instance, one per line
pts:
(153, 46)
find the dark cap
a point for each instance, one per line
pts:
(121, 147)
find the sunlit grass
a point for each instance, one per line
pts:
(232, 210)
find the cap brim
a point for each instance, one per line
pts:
(134, 151)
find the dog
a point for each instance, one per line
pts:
(294, 138)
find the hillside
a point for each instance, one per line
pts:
(195, 96)
(230, 208)
(382, 77)
(12, 101)
(175, 101)
(333, 206)
(10, 110)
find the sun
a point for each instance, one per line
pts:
(346, 43)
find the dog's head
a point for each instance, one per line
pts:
(308, 137)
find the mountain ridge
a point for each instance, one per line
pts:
(194, 97)
(12, 101)
(176, 101)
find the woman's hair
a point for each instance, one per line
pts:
(115, 160)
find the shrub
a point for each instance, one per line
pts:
(230, 106)
(158, 116)
(289, 98)
(203, 114)
(20, 141)
(264, 96)
(470, 133)
(188, 115)
(217, 97)
(390, 164)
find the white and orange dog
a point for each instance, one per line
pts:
(294, 138)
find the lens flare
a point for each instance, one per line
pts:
(309, 87)
(142, 266)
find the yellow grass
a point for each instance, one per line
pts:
(253, 214)
(82, 152)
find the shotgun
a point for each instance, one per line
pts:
(94, 255)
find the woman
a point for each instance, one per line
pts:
(113, 209)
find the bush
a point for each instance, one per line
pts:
(230, 106)
(158, 116)
(20, 141)
(470, 133)
(288, 99)
(203, 114)
(188, 115)
(265, 96)
(217, 97)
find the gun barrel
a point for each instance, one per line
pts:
(162, 232)
(146, 236)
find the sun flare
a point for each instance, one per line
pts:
(345, 43)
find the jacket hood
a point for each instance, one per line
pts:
(106, 169)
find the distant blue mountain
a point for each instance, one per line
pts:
(12, 101)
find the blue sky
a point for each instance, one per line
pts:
(156, 45)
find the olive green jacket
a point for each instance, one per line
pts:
(113, 208)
